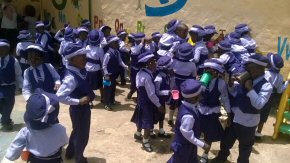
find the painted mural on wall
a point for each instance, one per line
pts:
(166, 8)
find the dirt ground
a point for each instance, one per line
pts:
(111, 137)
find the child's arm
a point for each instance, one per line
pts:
(66, 88)
(259, 99)
(280, 86)
(59, 36)
(123, 48)
(44, 40)
(224, 58)
(224, 95)
(187, 123)
(54, 75)
(121, 63)
(135, 50)
(26, 89)
(18, 144)
(150, 90)
(197, 53)
(18, 74)
(105, 64)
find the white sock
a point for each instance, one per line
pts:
(204, 155)
(161, 131)
(171, 112)
(138, 133)
(145, 140)
(151, 132)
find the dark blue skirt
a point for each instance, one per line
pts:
(183, 153)
(95, 79)
(211, 127)
(145, 116)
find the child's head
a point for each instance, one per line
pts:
(86, 23)
(113, 42)
(41, 112)
(185, 52)
(24, 35)
(35, 55)
(4, 47)
(147, 60)
(131, 38)
(242, 29)
(191, 90)
(122, 35)
(95, 37)
(213, 66)
(138, 37)
(156, 36)
(165, 63)
(276, 61)
(196, 33)
(209, 32)
(82, 33)
(256, 64)
(182, 30)
(224, 46)
(39, 27)
(76, 55)
(106, 30)
(69, 34)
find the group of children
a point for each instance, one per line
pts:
(93, 59)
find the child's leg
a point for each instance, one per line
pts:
(102, 94)
(81, 119)
(146, 144)
(171, 113)
(113, 92)
(7, 105)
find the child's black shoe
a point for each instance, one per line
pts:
(138, 137)
(164, 135)
(147, 147)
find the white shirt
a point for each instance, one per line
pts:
(276, 80)
(258, 100)
(200, 49)
(18, 72)
(96, 53)
(187, 122)
(123, 47)
(27, 88)
(68, 85)
(158, 80)
(59, 36)
(41, 143)
(144, 79)
(224, 97)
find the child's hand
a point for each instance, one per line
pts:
(84, 100)
(56, 87)
(249, 85)
(161, 109)
(206, 147)
(107, 77)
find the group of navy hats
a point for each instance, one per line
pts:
(41, 111)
